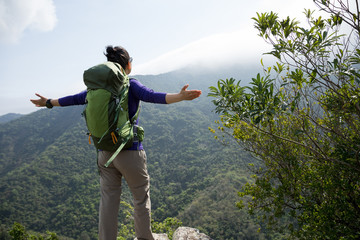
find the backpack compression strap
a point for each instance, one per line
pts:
(119, 149)
(133, 121)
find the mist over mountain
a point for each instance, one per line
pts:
(202, 76)
(49, 178)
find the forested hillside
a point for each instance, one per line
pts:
(49, 179)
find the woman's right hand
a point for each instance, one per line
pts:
(41, 102)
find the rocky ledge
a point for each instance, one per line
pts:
(183, 233)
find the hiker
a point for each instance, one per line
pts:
(130, 163)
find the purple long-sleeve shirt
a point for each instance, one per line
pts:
(137, 92)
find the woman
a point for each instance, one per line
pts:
(131, 162)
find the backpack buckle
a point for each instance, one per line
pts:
(114, 138)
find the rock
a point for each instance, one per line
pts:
(160, 236)
(187, 233)
(182, 233)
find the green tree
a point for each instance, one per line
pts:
(18, 232)
(126, 230)
(301, 119)
(168, 226)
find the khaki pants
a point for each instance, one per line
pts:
(132, 166)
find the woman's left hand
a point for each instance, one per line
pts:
(189, 94)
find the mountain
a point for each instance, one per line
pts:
(49, 178)
(8, 117)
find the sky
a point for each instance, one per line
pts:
(45, 45)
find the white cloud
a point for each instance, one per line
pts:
(239, 47)
(18, 15)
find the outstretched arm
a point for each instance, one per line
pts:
(77, 99)
(41, 102)
(184, 94)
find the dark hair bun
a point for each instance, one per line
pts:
(110, 50)
(117, 54)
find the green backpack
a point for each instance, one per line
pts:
(106, 112)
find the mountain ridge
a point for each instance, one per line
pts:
(9, 117)
(200, 77)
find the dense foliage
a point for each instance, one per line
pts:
(49, 179)
(301, 118)
(19, 232)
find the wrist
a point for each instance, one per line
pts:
(48, 103)
(173, 97)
